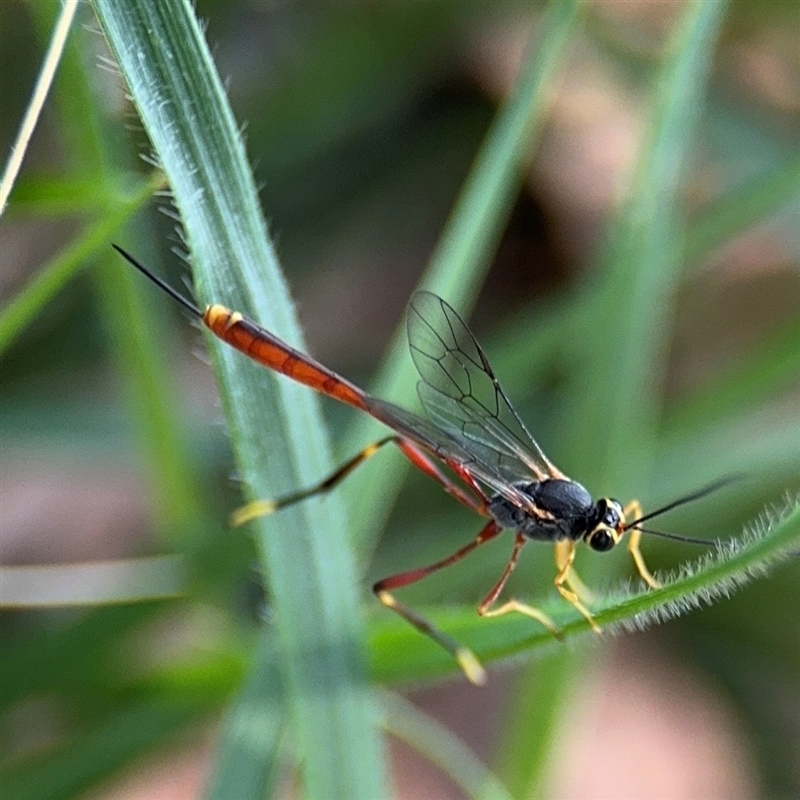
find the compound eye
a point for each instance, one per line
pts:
(612, 514)
(601, 540)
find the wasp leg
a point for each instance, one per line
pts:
(485, 608)
(573, 581)
(477, 501)
(570, 596)
(263, 508)
(465, 657)
(467, 660)
(634, 510)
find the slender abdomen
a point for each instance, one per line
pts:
(272, 352)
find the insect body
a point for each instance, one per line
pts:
(565, 512)
(471, 427)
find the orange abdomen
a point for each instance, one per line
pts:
(265, 348)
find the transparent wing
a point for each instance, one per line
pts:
(461, 394)
(441, 443)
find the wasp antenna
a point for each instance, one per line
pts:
(689, 498)
(162, 284)
(677, 538)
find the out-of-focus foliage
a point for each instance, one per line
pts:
(362, 121)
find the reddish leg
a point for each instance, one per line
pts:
(465, 657)
(421, 461)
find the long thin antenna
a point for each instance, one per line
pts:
(712, 487)
(162, 284)
(676, 537)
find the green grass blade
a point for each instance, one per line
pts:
(544, 689)
(150, 712)
(132, 580)
(137, 339)
(742, 208)
(476, 223)
(23, 309)
(762, 445)
(552, 329)
(45, 196)
(614, 417)
(248, 753)
(772, 366)
(274, 424)
(464, 251)
(610, 423)
(49, 66)
(77, 649)
(441, 747)
(70, 662)
(74, 769)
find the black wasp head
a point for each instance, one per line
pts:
(609, 523)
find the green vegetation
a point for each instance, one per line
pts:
(364, 146)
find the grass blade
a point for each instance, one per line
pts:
(62, 268)
(464, 251)
(441, 747)
(611, 418)
(304, 554)
(45, 79)
(742, 208)
(247, 758)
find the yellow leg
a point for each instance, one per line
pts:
(485, 608)
(528, 611)
(574, 582)
(263, 508)
(634, 510)
(466, 659)
(571, 597)
(471, 499)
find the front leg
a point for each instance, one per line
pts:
(634, 510)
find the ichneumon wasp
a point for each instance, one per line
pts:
(473, 429)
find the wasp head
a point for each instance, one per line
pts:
(608, 527)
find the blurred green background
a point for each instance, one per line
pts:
(362, 121)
